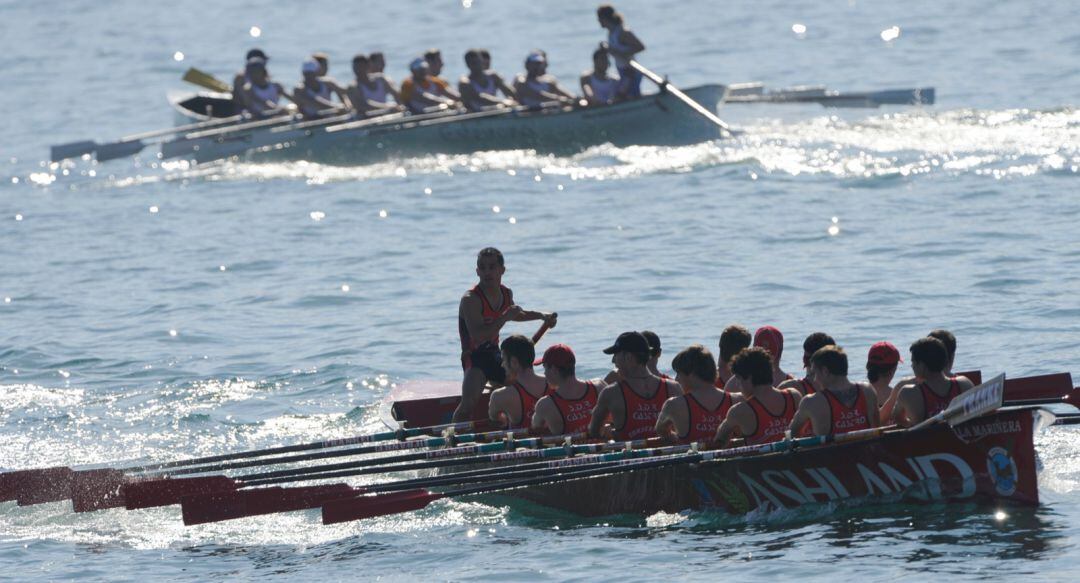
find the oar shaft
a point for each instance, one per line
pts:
(666, 86)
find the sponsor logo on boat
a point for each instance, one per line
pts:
(1002, 470)
(974, 431)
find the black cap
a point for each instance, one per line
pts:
(256, 53)
(629, 342)
(654, 341)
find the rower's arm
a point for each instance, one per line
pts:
(586, 89)
(904, 412)
(871, 405)
(612, 377)
(666, 424)
(803, 416)
(506, 89)
(550, 318)
(632, 43)
(393, 90)
(472, 312)
(546, 416)
(732, 423)
(498, 407)
(603, 408)
(342, 95)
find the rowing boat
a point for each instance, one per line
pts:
(658, 119)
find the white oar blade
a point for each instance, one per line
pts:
(983, 399)
(71, 150)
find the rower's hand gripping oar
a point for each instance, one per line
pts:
(665, 85)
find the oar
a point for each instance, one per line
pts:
(666, 86)
(206, 80)
(970, 404)
(129, 145)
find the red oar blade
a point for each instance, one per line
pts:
(42, 485)
(1073, 398)
(97, 489)
(168, 491)
(243, 503)
(362, 507)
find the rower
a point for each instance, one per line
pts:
(369, 94)
(568, 406)
(597, 87)
(423, 93)
(482, 313)
(949, 340)
(377, 61)
(696, 415)
(480, 88)
(765, 412)
(323, 60)
(314, 96)
(635, 401)
(812, 344)
(934, 391)
(881, 363)
(840, 406)
(435, 63)
(654, 359)
(623, 46)
(512, 406)
(535, 86)
(733, 339)
(769, 338)
(242, 78)
(261, 96)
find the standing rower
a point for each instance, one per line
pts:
(770, 338)
(369, 93)
(482, 313)
(812, 344)
(839, 406)
(934, 391)
(314, 96)
(480, 88)
(512, 406)
(635, 401)
(597, 87)
(696, 415)
(881, 363)
(766, 412)
(536, 86)
(733, 339)
(570, 401)
(623, 46)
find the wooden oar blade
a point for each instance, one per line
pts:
(117, 150)
(1073, 398)
(71, 150)
(43, 485)
(169, 491)
(97, 489)
(206, 80)
(983, 399)
(363, 507)
(244, 503)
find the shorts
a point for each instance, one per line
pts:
(629, 81)
(488, 359)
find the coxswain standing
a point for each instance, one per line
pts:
(261, 96)
(568, 407)
(423, 93)
(623, 46)
(881, 363)
(369, 94)
(840, 406)
(770, 338)
(314, 96)
(512, 406)
(696, 415)
(536, 86)
(812, 344)
(596, 86)
(480, 88)
(482, 313)
(732, 340)
(635, 401)
(766, 412)
(934, 391)
(241, 79)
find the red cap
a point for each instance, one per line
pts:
(769, 338)
(883, 354)
(558, 355)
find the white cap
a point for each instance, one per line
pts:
(310, 67)
(418, 63)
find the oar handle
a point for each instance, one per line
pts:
(543, 330)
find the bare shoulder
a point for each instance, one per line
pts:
(789, 384)
(965, 383)
(795, 394)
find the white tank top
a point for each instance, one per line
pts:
(536, 85)
(603, 89)
(489, 89)
(378, 94)
(323, 92)
(263, 94)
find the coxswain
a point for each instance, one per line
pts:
(812, 344)
(596, 86)
(634, 402)
(314, 95)
(839, 406)
(766, 412)
(482, 313)
(242, 78)
(377, 63)
(934, 389)
(881, 363)
(535, 86)
(480, 88)
(623, 46)
(369, 94)
(696, 415)
(769, 338)
(512, 406)
(421, 92)
(570, 401)
(261, 96)
(733, 339)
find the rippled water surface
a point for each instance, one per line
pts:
(155, 310)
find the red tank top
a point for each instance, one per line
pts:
(807, 386)
(490, 313)
(844, 418)
(641, 413)
(704, 422)
(933, 403)
(528, 404)
(771, 427)
(576, 413)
